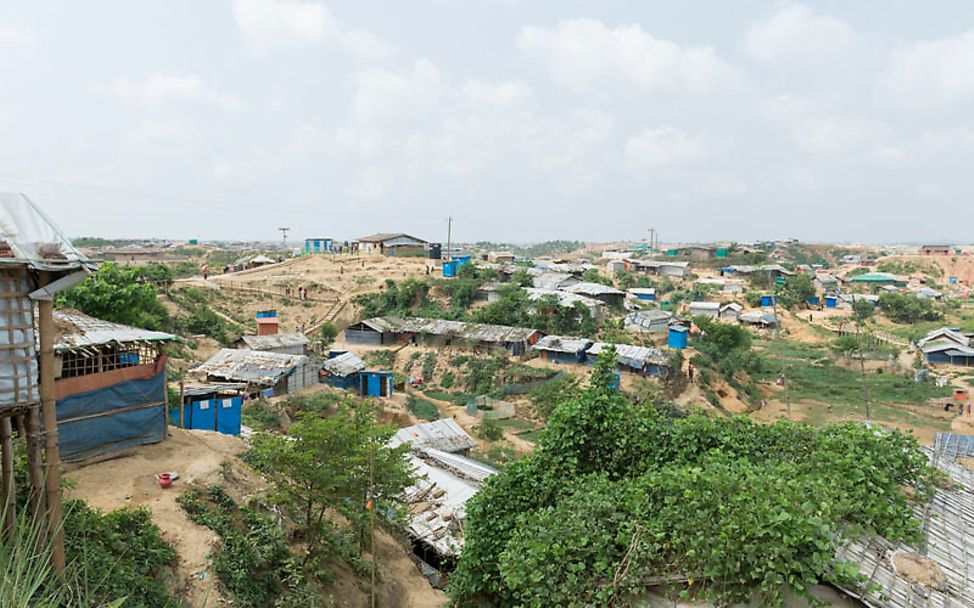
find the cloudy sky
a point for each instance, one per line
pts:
(525, 120)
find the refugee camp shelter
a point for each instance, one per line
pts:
(677, 336)
(440, 332)
(947, 346)
(730, 312)
(249, 262)
(878, 278)
(704, 309)
(604, 293)
(341, 369)
(444, 434)
(321, 245)
(552, 280)
(647, 321)
(272, 374)
(110, 385)
(287, 344)
(500, 257)
(635, 359)
(566, 299)
(936, 250)
(663, 268)
(774, 270)
(758, 318)
(375, 383)
(267, 323)
(391, 243)
(646, 294)
(211, 407)
(562, 349)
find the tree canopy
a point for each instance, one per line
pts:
(617, 494)
(121, 294)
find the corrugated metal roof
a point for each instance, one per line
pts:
(565, 298)
(758, 317)
(715, 306)
(382, 237)
(440, 327)
(438, 498)
(592, 289)
(563, 344)
(632, 355)
(256, 366)
(642, 291)
(344, 364)
(647, 320)
(33, 239)
(275, 341)
(74, 329)
(945, 333)
(445, 435)
(552, 280)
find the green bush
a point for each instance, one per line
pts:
(447, 380)
(422, 408)
(489, 429)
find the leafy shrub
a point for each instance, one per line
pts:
(447, 380)
(327, 332)
(489, 429)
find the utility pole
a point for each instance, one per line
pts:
(652, 237)
(449, 238)
(862, 369)
(284, 238)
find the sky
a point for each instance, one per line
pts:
(525, 121)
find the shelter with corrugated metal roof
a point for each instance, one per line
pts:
(562, 349)
(271, 374)
(441, 332)
(288, 344)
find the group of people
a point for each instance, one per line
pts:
(961, 408)
(300, 293)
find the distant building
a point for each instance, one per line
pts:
(604, 293)
(661, 268)
(500, 257)
(936, 250)
(267, 323)
(647, 321)
(321, 245)
(391, 243)
(879, 278)
(440, 332)
(249, 262)
(947, 346)
(730, 312)
(634, 359)
(562, 349)
(704, 309)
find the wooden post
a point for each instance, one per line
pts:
(35, 472)
(182, 402)
(52, 464)
(7, 487)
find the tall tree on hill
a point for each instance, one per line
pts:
(120, 294)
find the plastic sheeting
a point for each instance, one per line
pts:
(18, 353)
(112, 418)
(33, 237)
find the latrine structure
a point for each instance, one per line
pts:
(36, 261)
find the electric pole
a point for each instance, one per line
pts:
(862, 368)
(449, 238)
(284, 238)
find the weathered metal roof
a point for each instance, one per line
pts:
(749, 269)
(945, 333)
(647, 320)
(74, 329)
(482, 332)
(714, 306)
(592, 289)
(28, 236)
(344, 364)
(438, 498)
(552, 280)
(562, 344)
(275, 341)
(642, 291)
(758, 317)
(948, 526)
(255, 366)
(443, 434)
(382, 237)
(632, 355)
(565, 298)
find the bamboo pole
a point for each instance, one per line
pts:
(7, 487)
(35, 472)
(182, 401)
(52, 469)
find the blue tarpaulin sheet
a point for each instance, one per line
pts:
(117, 421)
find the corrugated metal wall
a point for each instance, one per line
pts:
(362, 337)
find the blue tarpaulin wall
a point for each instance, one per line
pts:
(112, 418)
(221, 415)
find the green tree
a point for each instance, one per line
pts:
(324, 463)
(862, 311)
(119, 294)
(901, 308)
(327, 332)
(796, 290)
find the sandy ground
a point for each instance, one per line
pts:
(209, 457)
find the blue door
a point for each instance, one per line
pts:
(203, 415)
(228, 415)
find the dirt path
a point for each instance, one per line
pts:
(129, 481)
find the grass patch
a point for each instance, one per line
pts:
(516, 425)
(532, 436)
(423, 409)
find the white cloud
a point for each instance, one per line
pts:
(795, 32)
(8, 116)
(933, 73)
(270, 25)
(838, 135)
(17, 37)
(385, 95)
(165, 89)
(496, 93)
(664, 148)
(582, 53)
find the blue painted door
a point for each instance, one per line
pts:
(228, 415)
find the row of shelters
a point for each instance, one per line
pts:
(639, 360)
(397, 330)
